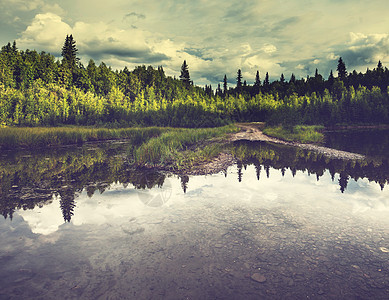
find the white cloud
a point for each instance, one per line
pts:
(46, 32)
(269, 48)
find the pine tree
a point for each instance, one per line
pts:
(239, 80)
(69, 52)
(257, 82)
(330, 81)
(342, 73)
(379, 66)
(266, 82)
(282, 78)
(292, 79)
(185, 77)
(225, 85)
(219, 90)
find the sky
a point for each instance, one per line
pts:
(215, 37)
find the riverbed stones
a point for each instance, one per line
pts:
(258, 277)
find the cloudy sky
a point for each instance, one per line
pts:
(215, 37)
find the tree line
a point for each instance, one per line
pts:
(36, 89)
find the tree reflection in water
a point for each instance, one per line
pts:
(282, 158)
(28, 180)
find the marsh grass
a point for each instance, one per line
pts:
(298, 133)
(36, 137)
(172, 148)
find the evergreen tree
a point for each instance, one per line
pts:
(239, 80)
(282, 78)
(69, 52)
(266, 82)
(257, 82)
(292, 79)
(379, 66)
(184, 77)
(330, 80)
(342, 72)
(225, 85)
(219, 90)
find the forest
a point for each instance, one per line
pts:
(38, 90)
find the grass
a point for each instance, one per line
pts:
(174, 148)
(299, 133)
(37, 137)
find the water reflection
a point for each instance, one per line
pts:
(262, 229)
(282, 158)
(29, 180)
(364, 141)
(33, 179)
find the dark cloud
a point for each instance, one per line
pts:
(133, 55)
(136, 15)
(198, 53)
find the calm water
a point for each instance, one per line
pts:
(281, 223)
(367, 142)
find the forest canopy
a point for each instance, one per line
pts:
(36, 89)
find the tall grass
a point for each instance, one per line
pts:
(35, 137)
(298, 133)
(170, 147)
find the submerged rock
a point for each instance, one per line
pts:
(258, 277)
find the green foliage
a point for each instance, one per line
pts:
(167, 149)
(37, 91)
(12, 137)
(299, 133)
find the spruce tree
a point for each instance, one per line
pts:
(185, 77)
(292, 79)
(69, 52)
(225, 85)
(379, 66)
(342, 73)
(330, 79)
(239, 80)
(266, 82)
(257, 82)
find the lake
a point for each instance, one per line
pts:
(281, 223)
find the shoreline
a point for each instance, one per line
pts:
(252, 133)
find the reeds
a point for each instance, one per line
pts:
(36, 137)
(172, 148)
